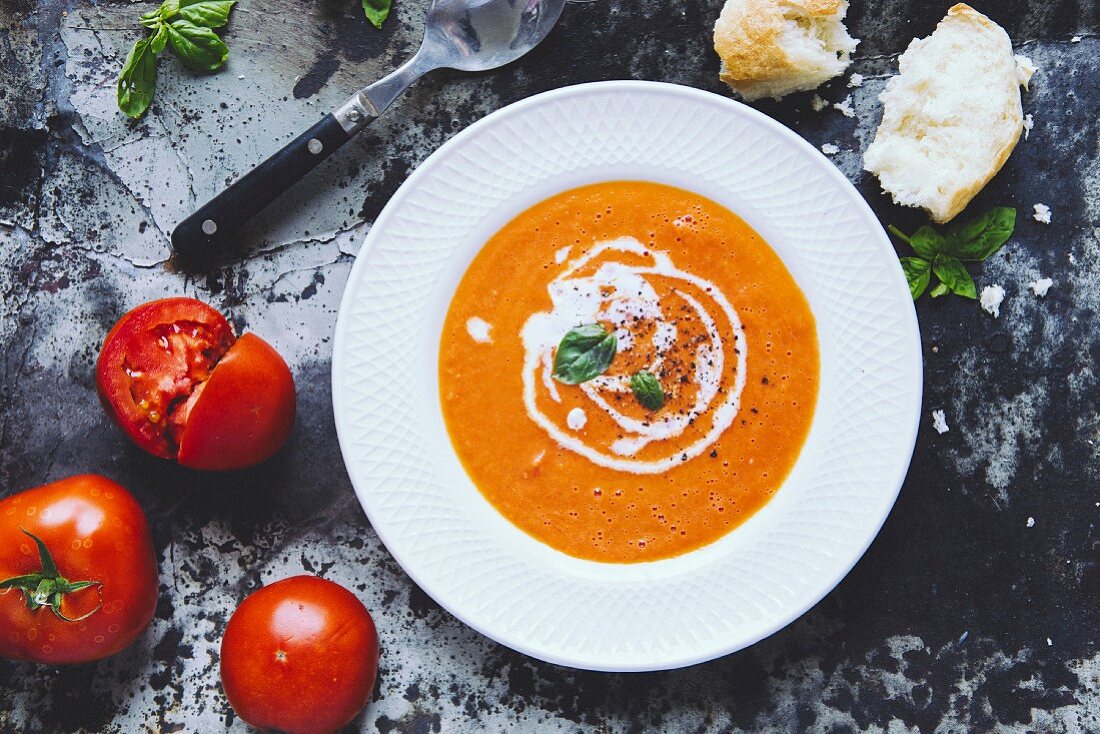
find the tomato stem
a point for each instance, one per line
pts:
(47, 588)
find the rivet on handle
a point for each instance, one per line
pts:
(314, 146)
(209, 227)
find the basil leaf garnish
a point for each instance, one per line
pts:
(981, 237)
(138, 79)
(918, 272)
(198, 48)
(376, 11)
(953, 275)
(927, 242)
(208, 14)
(584, 353)
(647, 389)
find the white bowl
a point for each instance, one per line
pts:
(667, 613)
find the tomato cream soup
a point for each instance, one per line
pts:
(671, 285)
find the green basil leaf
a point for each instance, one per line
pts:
(208, 14)
(954, 276)
(939, 290)
(159, 39)
(376, 11)
(584, 352)
(647, 389)
(138, 79)
(198, 48)
(918, 272)
(979, 238)
(927, 242)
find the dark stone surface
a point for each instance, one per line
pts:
(961, 616)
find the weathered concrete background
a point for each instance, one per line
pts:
(961, 617)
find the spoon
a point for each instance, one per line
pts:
(468, 35)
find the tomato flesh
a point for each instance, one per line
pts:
(151, 363)
(174, 377)
(299, 656)
(95, 531)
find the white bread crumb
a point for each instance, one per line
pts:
(856, 80)
(1042, 213)
(1031, 524)
(770, 48)
(1025, 69)
(1041, 286)
(817, 103)
(951, 117)
(1075, 39)
(939, 422)
(829, 149)
(991, 299)
(1029, 122)
(845, 107)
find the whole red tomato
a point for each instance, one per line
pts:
(174, 377)
(299, 656)
(78, 578)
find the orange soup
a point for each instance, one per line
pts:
(628, 371)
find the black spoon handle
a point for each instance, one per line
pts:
(211, 230)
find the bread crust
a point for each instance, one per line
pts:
(747, 39)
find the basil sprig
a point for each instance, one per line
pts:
(944, 254)
(585, 352)
(647, 389)
(376, 11)
(186, 26)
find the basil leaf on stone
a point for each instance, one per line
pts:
(979, 238)
(208, 14)
(138, 79)
(927, 242)
(198, 48)
(940, 290)
(584, 353)
(918, 272)
(158, 40)
(647, 389)
(376, 11)
(953, 275)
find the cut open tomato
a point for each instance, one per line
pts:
(174, 377)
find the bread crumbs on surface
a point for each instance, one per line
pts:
(1042, 213)
(856, 80)
(1029, 122)
(939, 422)
(1025, 69)
(991, 299)
(829, 149)
(817, 103)
(1041, 286)
(1031, 522)
(845, 107)
(1075, 39)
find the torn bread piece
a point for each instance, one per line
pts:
(951, 117)
(770, 48)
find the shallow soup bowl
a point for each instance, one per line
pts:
(642, 616)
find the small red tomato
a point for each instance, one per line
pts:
(78, 577)
(299, 656)
(174, 377)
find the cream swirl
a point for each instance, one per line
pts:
(625, 293)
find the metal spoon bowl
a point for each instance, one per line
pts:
(468, 35)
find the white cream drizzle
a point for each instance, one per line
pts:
(576, 419)
(621, 294)
(478, 329)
